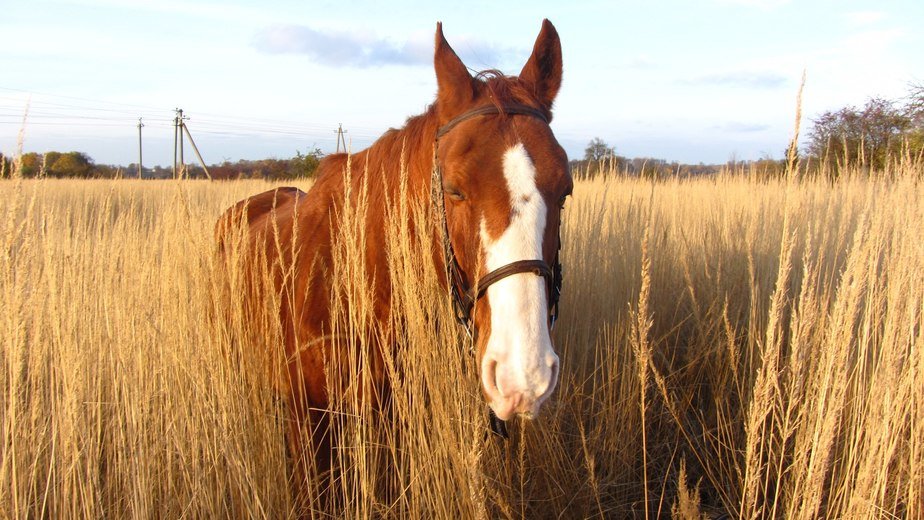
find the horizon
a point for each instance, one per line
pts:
(706, 83)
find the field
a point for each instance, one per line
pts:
(734, 345)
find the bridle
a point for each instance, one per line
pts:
(464, 296)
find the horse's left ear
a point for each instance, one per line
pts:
(455, 86)
(542, 72)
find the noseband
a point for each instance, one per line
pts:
(464, 297)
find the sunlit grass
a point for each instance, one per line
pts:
(752, 346)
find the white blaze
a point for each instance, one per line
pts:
(519, 343)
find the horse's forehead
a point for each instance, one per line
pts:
(495, 138)
(514, 193)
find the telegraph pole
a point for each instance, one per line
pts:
(176, 135)
(180, 118)
(340, 138)
(140, 167)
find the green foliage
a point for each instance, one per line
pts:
(72, 165)
(69, 165)
(305, 165)
(30, 164)
(299, 167)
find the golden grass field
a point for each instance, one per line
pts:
(731, 345)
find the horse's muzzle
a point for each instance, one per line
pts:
(516, 388)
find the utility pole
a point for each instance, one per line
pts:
(340, 138)
(182, 159)
(176, 135)
(140, 167)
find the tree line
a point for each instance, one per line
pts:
(78, 165)
(871, 136)
(600, 157)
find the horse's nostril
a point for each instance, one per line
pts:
(552, 362)
(553, 377)
(489, 377)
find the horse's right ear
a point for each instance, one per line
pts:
(455, 86)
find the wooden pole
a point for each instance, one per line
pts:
(176, 135)
(196, 149)
(140, 167)
(182, 159)
(340, 137)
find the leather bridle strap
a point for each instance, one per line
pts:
(491, 109)
(537, 267)
(464, 298)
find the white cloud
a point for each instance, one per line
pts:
(366, 49)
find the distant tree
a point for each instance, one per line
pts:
(69, 165)
(6, 166)
(305, 165)
(598, 150)
(767, 166)
(30, 164)
(865, 136)
(915, 106)
(651, 168)
(915, 112)
(106, 171)
(47, 160)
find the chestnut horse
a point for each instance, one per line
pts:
(499, 183)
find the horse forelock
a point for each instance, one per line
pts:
(505, 90)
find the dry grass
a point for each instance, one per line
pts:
(729, 344)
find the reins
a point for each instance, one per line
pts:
(463, 296)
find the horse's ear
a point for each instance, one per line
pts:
(455, 86)
(542, 72)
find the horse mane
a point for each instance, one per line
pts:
(418, 130)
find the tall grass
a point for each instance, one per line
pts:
(729, 344)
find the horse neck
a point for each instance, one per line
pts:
(409, 149)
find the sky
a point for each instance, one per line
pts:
(703, 81)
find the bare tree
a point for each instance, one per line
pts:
(598, 150)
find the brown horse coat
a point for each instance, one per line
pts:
(287, 227)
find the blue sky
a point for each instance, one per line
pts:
(690, 81)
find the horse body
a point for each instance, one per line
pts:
(503, 179)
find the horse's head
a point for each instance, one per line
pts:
(504, 180)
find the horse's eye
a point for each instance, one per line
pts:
(454, 193)
(561, 201)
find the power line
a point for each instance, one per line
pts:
(58, 111)
(32, 92)
(269, 124)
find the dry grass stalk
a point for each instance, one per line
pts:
(778, 320)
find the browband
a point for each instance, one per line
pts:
(491, 109)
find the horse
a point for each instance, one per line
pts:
(483, 154)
